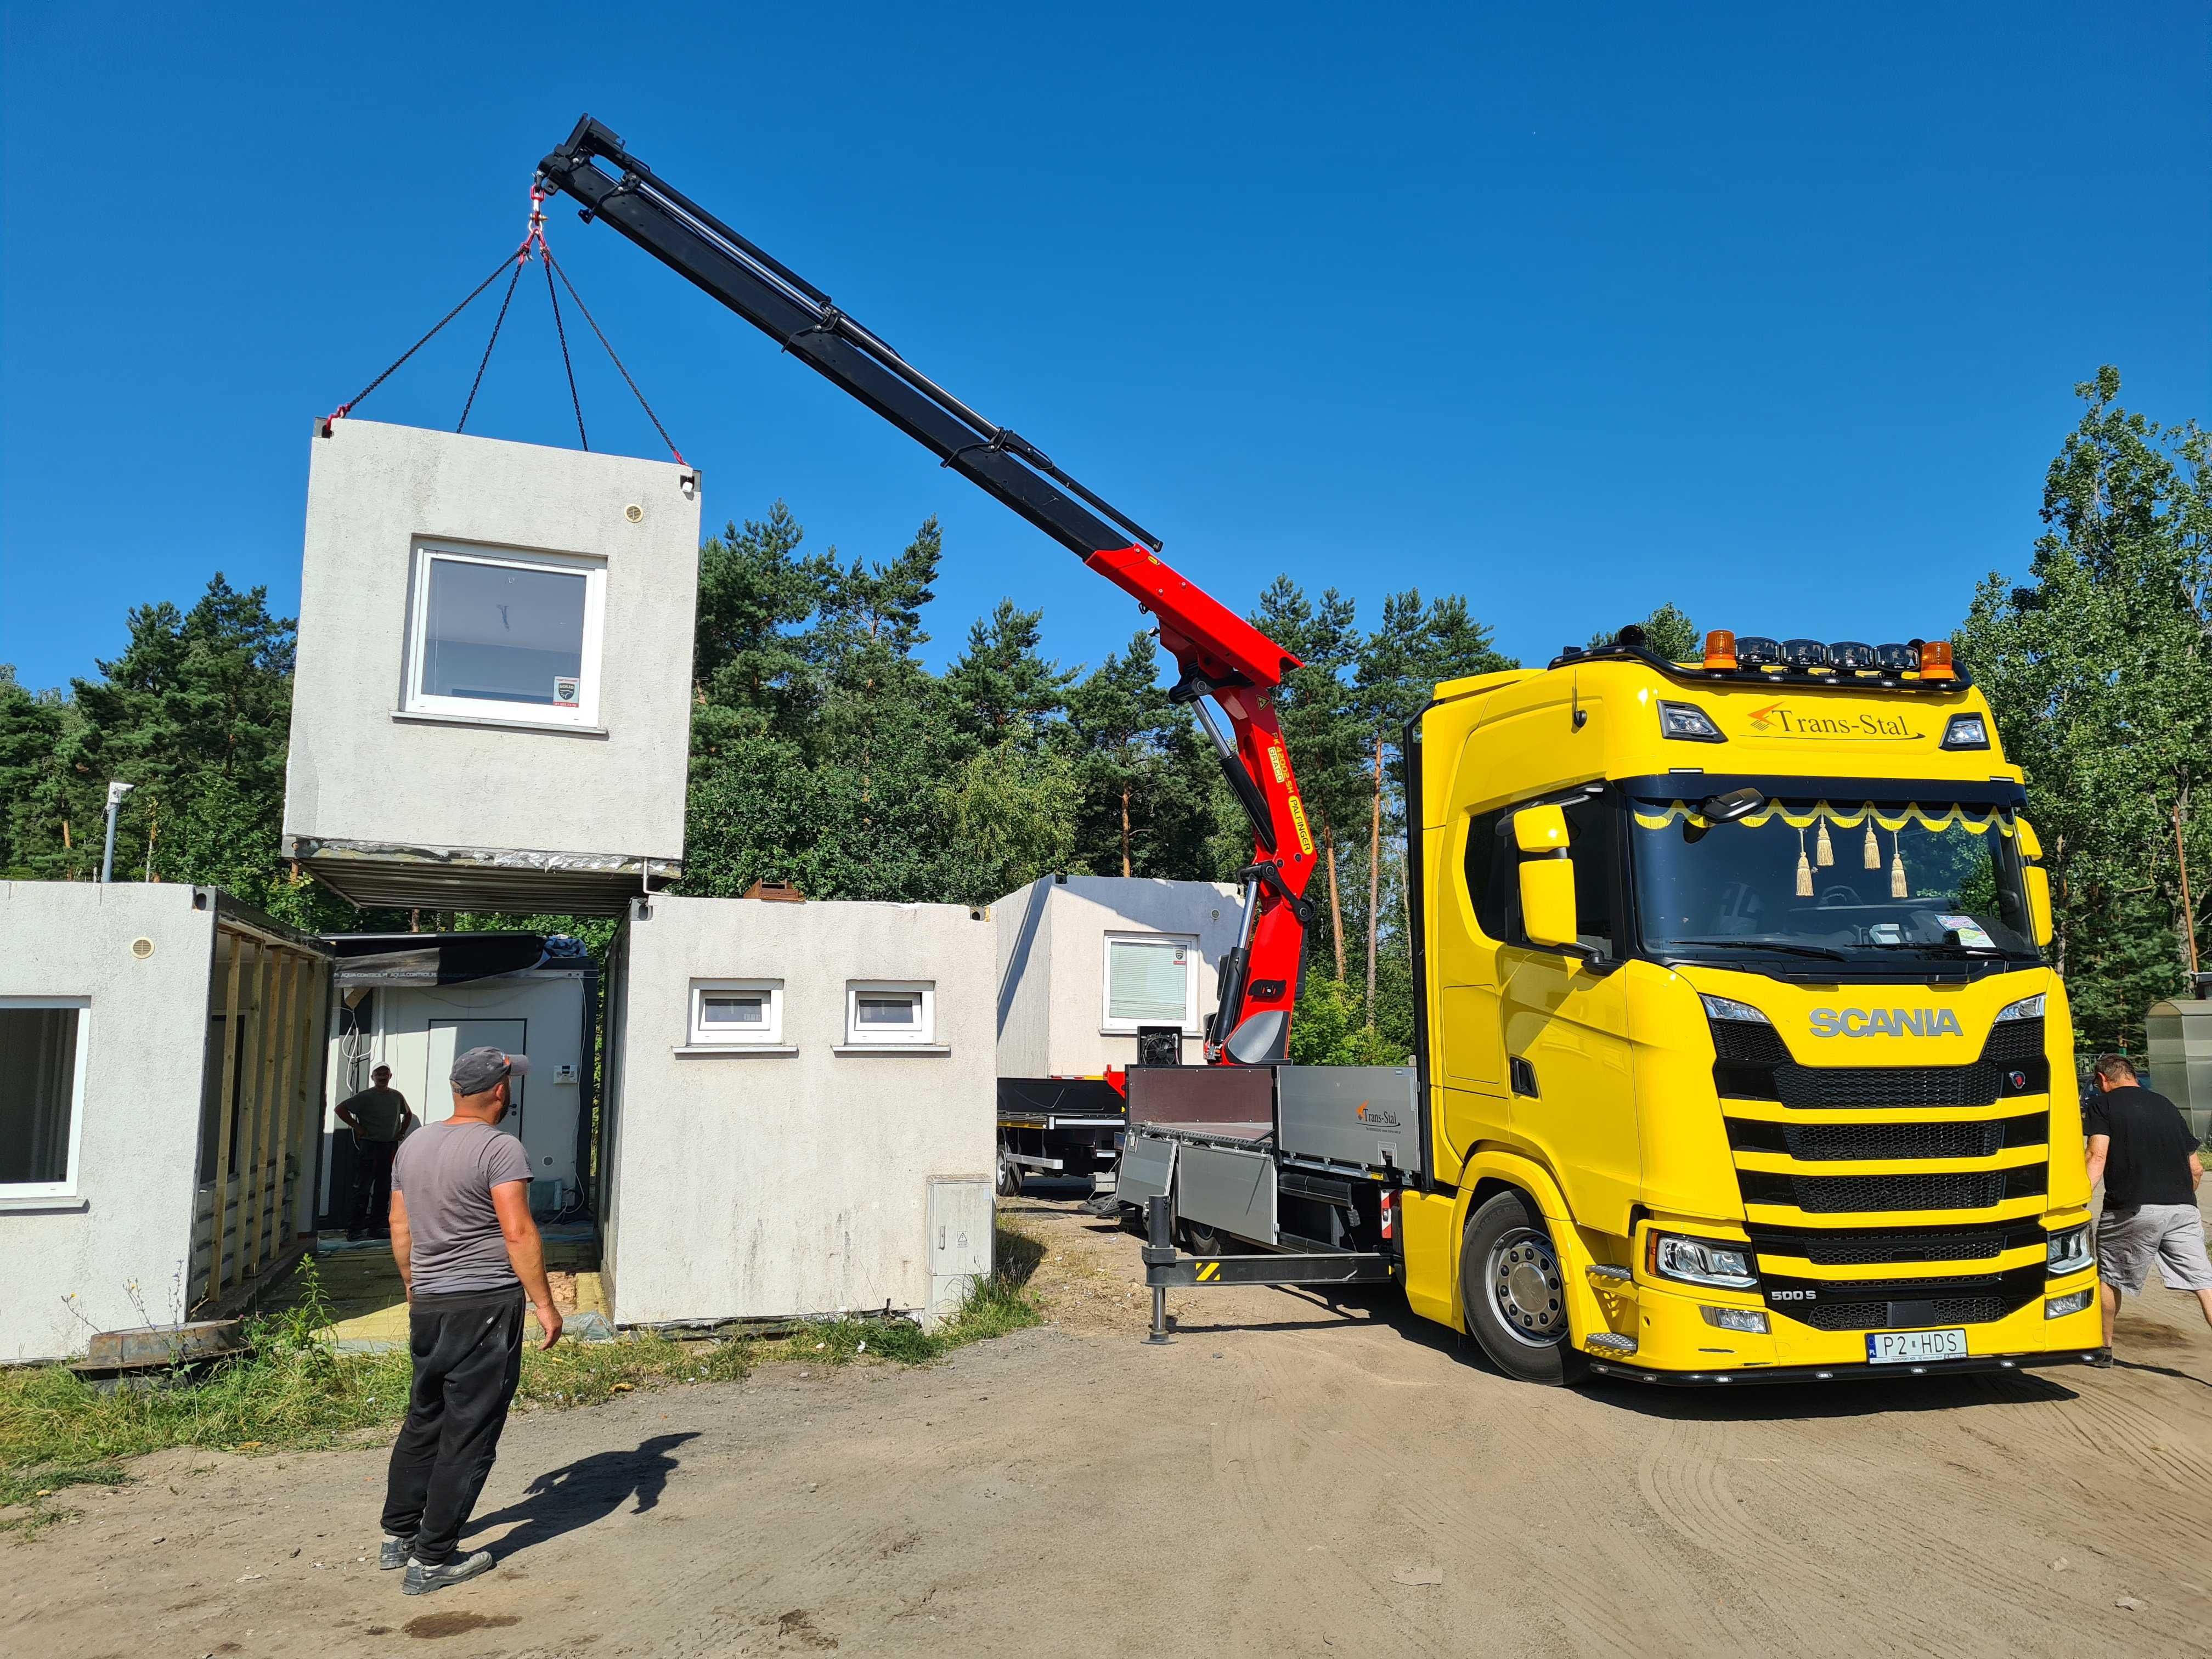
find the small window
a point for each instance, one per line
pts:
(505, 636)
(904, 1013)
(41, 1095)
(726, 1013)
(1491, 872)
(1151, 979)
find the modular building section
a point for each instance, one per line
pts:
(799, 1109)
(2179, 1034)
(1086, 962)
(159, 1083)
(492, 708)
(413, 1001)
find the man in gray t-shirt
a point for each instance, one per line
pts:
(468, 1252)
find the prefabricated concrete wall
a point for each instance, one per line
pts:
(418, 1030)
(795, 1177)
(1051, 1001)
(476, 803)
(138, 958)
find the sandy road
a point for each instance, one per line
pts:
(1285, 1478)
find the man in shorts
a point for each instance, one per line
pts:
(2140, 1146)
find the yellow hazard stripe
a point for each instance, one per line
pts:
(1208, 1270)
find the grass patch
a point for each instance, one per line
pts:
(291, 1392)
(996, 1306)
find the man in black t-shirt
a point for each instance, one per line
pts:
(2140, 1144)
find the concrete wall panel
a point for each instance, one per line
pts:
(761, 1185)
(130, 1219)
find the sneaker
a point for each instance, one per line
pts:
(421, 1580)
(393, 1554)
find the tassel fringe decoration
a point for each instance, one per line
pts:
(1804, 869)
(1898, 889)
(1873, 846)
(1823, 853)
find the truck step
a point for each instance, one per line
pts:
(1609, 1273)
(1610, 1342)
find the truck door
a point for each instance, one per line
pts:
(1566, 1019)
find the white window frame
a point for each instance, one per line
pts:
(18, 1192)
(1111, 1026)
(414, 701)
(922, 1036)
(703, 1035)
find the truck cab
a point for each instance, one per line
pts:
(1741, 1056)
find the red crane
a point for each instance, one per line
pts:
(1224, 660)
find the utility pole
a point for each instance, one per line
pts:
(116, 792)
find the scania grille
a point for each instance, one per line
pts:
(1818, 1143)
(1751, 1062)
(1897, 1304)
(1950, 1189)
(1873, 1246)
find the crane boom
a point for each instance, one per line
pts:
(1221, 655)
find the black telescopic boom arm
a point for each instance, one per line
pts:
(695, 245)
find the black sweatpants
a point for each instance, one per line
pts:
(468, 1358)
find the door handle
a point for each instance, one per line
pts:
(1523, 1076)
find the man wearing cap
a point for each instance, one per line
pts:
(468, 1252)
(379, 1118)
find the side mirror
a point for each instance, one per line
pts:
(2036, 879)
(2038, 901)
(1547, 877)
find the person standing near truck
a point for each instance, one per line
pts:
(379, 1118)
(468, 1252)
(2140, 1146)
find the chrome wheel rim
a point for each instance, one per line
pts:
(1527, 1293)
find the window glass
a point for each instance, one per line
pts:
(725, 1012)
(737, 1008)
(1148, 980)
(1491, 872)
(503, 633)
(901, 1010)
(1867, 882)
(38, 1094)
(890, 1013)
(1590, 845)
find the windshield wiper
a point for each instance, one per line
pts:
(1768, 944)
(1943, 948)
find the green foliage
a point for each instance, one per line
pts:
(2099, 669)
(1332, 1028)
(994, 1306)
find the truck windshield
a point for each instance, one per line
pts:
(1867, 883)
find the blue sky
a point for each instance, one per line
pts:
(1770, 314)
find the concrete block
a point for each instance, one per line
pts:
(492, 708)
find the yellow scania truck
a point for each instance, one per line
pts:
(1738, 1058)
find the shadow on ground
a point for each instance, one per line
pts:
(590, 1489)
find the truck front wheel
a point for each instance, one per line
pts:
(1513, 1291)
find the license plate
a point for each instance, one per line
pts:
(1902, 1348)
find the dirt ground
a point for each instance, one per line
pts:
(1286, 1478)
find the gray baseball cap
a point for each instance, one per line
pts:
(477, 1071)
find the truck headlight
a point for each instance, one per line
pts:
(1752, 1319)
(2070, 1250)
(2059, 1306)
(1686, 720)
(2025, 1008)
(1701, 1261)
(1730, 1008)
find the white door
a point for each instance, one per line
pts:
(449, 1037)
